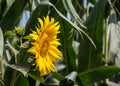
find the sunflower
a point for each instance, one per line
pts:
(44, 45)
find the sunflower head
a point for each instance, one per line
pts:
(44, 45)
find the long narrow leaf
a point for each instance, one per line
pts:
(23, 68)
(40, 11)
(71, 23)
(66, 41)
(97, 74)
(1, 43)
(1, 52)
(22, 81)
(89, 57)
(12, 16)
(70, 8)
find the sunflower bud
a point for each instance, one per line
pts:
(19, 31)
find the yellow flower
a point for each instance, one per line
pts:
(44, 45)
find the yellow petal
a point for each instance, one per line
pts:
(44, 45)
(41, 22)
(53, 59)
(51, 65)
(52, 20)
(54, 49)
(53, 54)
(53, 27)
(55, 43)
(40, 64)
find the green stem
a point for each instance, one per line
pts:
(17, 61)
(106, 41)
(13, 78)
(2, 67)
(106, 44)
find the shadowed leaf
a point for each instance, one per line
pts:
(12, 16)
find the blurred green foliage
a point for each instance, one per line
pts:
(84, 36)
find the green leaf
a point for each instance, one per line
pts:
(97, 74)
(11, 18)
(22, 81)
(58, 76)
(89, 57)
(66, 41)
(9, 33)
(3, 5)
(36, 75)
(66, 19)
(59, 5)
(92, 1)
(41, 11)
(68, 80)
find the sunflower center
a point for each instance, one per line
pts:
(44, 45)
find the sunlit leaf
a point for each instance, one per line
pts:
(72, 76)
(23, 68)
(69, 79)
(1, 53)
(8, 33)
(109, 83)
(58, 76)
(70, 8)
(1, 43)
(1, 82)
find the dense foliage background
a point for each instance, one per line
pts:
(90, 42)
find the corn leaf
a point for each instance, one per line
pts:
(97, 74)
(11, 17)
(89, 57)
